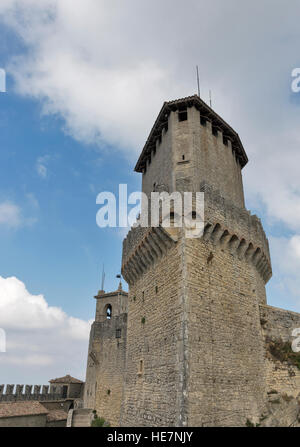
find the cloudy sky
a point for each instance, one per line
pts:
(85, 81)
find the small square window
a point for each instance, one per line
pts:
(182, 115)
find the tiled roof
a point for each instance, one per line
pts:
(65, 379)
(28, 408)
(206, 111)
(56, 415)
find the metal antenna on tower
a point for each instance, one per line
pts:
(210, 103)
(198, 83)
(103, 278)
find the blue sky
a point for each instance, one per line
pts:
(62, 251)
(85, 81)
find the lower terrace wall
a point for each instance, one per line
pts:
(278, 324)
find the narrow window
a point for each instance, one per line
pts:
(141, 367)
(225, 141)
(202, 121)
(143, 295)
(183, 157)
(64, 391)
(215, 131)
(108, 311)
(118, 333)
(156, 290)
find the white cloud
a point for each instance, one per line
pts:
(41, 166)
(40, 337)
(10, 215)
(106, 67)
(13, 217)
(285, 253)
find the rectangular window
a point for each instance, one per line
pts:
(118, 333)
(141, 367)
(214, 131)
(182, 115)
(202, 121)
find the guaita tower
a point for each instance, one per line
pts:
(195, 351)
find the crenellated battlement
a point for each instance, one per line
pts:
(226, 225)
(235, 219)
(13, 393)
(237, 230)
(142, 247)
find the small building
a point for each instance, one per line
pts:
(23, 414)
(67, 386)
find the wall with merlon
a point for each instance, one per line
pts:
(13, 393)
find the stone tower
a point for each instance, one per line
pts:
(106, 355)
(195, 349)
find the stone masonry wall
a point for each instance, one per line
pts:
(226, 352)
(154, 359)
(278, 324)
(111, 352)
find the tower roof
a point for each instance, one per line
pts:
(206, 111)
(65, 379)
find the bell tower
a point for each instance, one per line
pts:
(106, 355)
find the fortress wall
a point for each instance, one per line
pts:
(216, 164)
(89, 400)
(152, 395)
(236, 220)
(226, 356)
(185, 133)
(132, 240)
(110, 350)
(278, 324)
(14, 393)
(160, 170)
